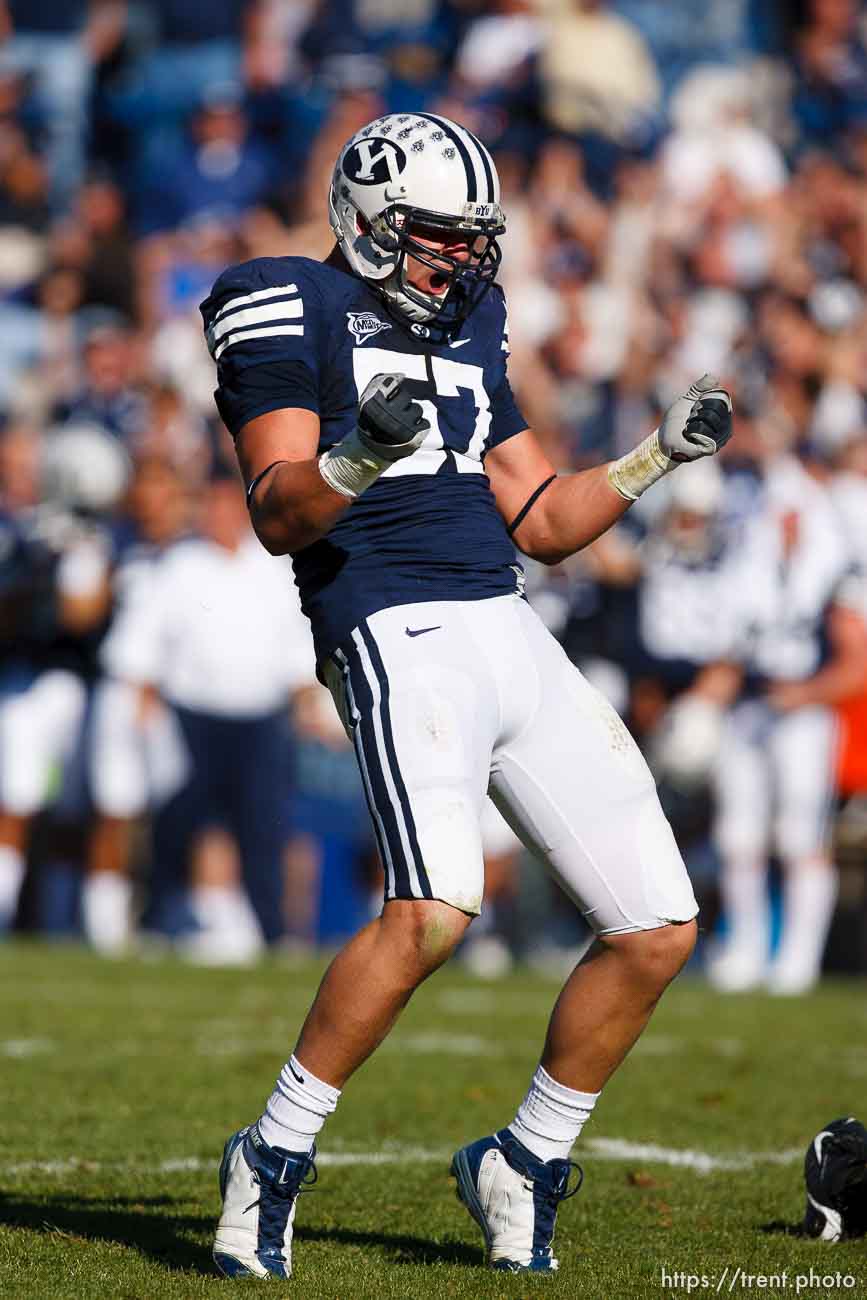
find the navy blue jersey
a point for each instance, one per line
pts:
(33, 546)
(290, 332)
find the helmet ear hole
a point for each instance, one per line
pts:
(362, 225)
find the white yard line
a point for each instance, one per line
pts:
(18, 1048)
(617, 1149)
(437, 1043)
(702, 1162)
(221, 1043)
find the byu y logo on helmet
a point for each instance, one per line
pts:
(366, 167)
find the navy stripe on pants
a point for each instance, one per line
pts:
(368, 695)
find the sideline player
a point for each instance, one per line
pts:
(799, 647)
(384, 451)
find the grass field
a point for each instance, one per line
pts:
(119, 1084)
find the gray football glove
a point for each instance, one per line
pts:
(390, 423)
(697, 424)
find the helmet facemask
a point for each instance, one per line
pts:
(464, 280)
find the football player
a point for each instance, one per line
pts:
(384, 451)
(135, 754)
(800, 647)
(54, 600)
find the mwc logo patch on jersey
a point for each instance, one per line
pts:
(363, 325)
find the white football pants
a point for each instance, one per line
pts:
(40, 728)
(447, 700)
(775, 782)
(135, 763)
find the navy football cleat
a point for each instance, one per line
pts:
(835, 1170)
(259, 1185)
(513, 1197)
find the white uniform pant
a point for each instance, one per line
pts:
(135, 762)
(774, 782)
(40, 729)
(448, 700)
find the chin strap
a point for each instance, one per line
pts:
(392, 289)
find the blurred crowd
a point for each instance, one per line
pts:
(686, 190)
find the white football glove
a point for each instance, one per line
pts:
(697, 424)
(685, 745)
(390, 423)
(390, 426)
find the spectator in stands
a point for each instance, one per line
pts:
(23, 174)
(498, 47)
(58, 43)
(218, 170)
(598, 76)
(830, 65)
(106, 396)
(98, 242)
(183, 49)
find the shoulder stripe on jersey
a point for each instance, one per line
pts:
(276, 312)
(486, 163)
(266, 332)
(472, 189)
(258, 295)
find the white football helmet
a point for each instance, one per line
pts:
(83, 468)
(408, 172)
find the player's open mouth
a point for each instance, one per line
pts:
(438, 282)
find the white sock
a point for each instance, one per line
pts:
(225, 909)
(106, 897)
(551, 1116)
(297, 1108)
(11, 877)
(217, 907)
(809, 897)
(744, 889)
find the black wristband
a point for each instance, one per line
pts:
(258, 479)
(525, 509)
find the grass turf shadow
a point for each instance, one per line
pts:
(129, 1221)
(400, 1248)
(150, 1225)
(780, 1228)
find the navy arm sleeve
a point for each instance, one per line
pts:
(506, 417)
(270, 386)
(262, 323)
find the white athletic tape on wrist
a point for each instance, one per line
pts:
(640, 468)
(350, 467)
